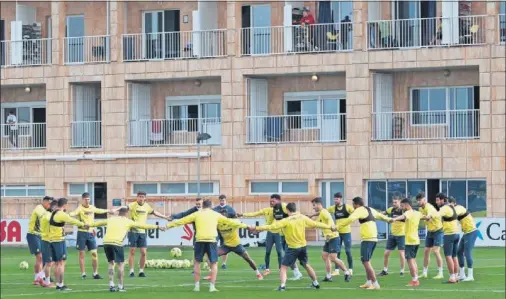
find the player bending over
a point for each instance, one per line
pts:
(33, 238)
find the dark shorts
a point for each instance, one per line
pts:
(137, 240)
(294, 254)
(396, 241)
(434, 239)
(283, 242)
(332, 245)
(346, 239)
(46, 252)
(411, 251)
(33, 243)
(366, 250)
(114, 253)
(239, 249)
(58, 251)
(203, 248)
(450, 245)
(86, 240)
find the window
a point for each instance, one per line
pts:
(502, 22)
(282, 187)
(186, 114)
(471, 194)
(23, 190)
(24, 112)
(305, 109)
(77, 189)
(189, 188)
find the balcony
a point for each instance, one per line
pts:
(26, 52)
(87, 49)
(86, 134)
(426, 32)
(317, 38)
(23, 136)
(502, 28)
(174, 45)
(296, 128)
(449, 124)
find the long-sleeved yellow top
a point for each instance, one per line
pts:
(268, 214)
(434, 224)
(367, 218)
(34, 222)
(86, 215)
(56, 226)
(118, 227)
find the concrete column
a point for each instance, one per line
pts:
(58, 30)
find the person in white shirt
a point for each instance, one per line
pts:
(12, 121)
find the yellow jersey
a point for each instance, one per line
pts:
(397, 228)
(449, 216)
(206, 224)
(340, 214)
(367, 218)
(118, 227)
(139, 213)
(412, 222)
(34, 222)
(87, 215)
(57, 222)
(434, 224)
(294, 228)
(44, 226)
(268, 214)
(230, 234)
(466, 220)
(326, 218)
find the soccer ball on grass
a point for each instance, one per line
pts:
(176, 252)
(23, 265)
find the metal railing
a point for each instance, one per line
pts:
(86, 134)
(86, 49)
(23, 136)
(174, 45)
(426, 32)
(449, 124)
(296, 128)
(315, 38)
(26, 52)
(160, 132)
(502, 28)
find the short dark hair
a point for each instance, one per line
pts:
(441, 195)
(62, 201)
(420, 195)
(11, 111)
(291, 207)
(85, 195)
(276, 196)
(317, 200)
(47, 198)
(123, 211)
(338, 195)
(198, 198)
(406, 201)
(223, 196)
(53, 205)
(141, 193)
(358, 201)
(207, 204)
(452, 199)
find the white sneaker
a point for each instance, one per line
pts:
(469, 278)
(196, 289)
(462, 278)
(297, 276)
(351, 271)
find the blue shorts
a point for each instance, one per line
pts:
(434, 239)
(203, 248)
(366, 250)
(86, 240)
(411, 251)
(33, 243)
(294, 254)
(396, 241)
(58, 251)
(451, 243)
(114, 253)
(332, 245)
(239, 249)
(137, 240)
(46, 252)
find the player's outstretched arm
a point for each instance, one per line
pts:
(231, 222)
(273, 227)
(313, 224)
(380, 216)
(98, 223)
(182, 221)
(143, 225)
(64, 217)
(253, 214)
(183, 214)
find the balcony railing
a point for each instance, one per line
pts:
(449, 124)
(86, 134)
(26, 52)
(161, 132)
(297, 39)
(23, 136)
(426, 32)
(502, 28)
(174, 45)
(86, 49)
(296, 128)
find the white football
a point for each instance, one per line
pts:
(176, 252)
(23, 265)
(187, 264)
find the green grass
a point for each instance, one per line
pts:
(239, 281)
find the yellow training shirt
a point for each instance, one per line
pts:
(368, 229)
(397, 227)
(206, 224)
(467, 223)
(230, 234)
(412, 222)
(118, 227)
(449, 227)
(268, 214)
(326, 218)
(434, 224)
(44, 226)
(57, 233)
(86, 215)
(34, 223)
(139, 214)
(294, 228)
(342, 229)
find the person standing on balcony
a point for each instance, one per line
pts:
(12, 121)
(307, 23)
(229, 212)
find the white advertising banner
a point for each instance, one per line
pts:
(491, 232)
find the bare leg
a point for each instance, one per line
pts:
(131, 258)
(386, 257)
(196, 271)
(142, 262)
(121, 274)
(339, 263)
(94, 261)
(111, 274)
(37, 268)
(81, 261)
(449, 264)
(224, 259)
(455, 265)
(426, 257)
(214, 273)
(310, 272)
(439, 259)
(402, 257)
(282, 275)
(413, 268)
(370, 271)
(326, 261)
(248, 259)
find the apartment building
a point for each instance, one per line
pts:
(376, 99)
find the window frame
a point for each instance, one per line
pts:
(280, 187)
(17, 105)
(86, 188)
(467, 186)
(198, 100)
(216, 188)
(26, 187)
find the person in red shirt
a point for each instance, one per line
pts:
(307, 17)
